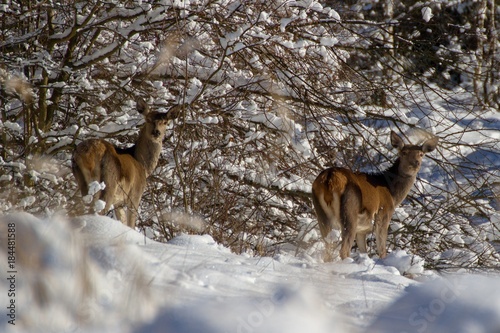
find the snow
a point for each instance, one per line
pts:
(468, 303)
(426, 14)
(12, 126)
(328, 41)
(94, 274)
(405, 263)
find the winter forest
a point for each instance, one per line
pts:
(271, 93)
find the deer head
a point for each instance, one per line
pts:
(156, 122)
(410, 156)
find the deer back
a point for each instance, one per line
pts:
(99, 161)
(329, 187)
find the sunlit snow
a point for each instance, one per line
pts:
(93, 274)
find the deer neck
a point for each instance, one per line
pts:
(399, 184)
(147, 151)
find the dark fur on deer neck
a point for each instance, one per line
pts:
(147, 151)
(399, 184)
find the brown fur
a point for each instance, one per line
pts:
(357, 203)
(123, 171)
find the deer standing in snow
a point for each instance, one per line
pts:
(355, 203)
(123, 171)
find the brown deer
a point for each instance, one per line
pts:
(123, 171)
(355, 203)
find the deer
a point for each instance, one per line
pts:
(359, 203)
(123, 171)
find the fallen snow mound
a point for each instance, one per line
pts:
(461, 304)
(93, 274)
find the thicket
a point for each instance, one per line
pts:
(272, 92)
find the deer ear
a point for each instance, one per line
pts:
(430, 145)
(170, 114)
(142, 107)
(174, 112)
(396, 141)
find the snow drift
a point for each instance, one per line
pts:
(93, 274)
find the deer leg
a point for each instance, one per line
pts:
(132, 209)
(120, 214)
(326, 221)
(349, 212)
(108, 195)
(100, 194)
(80, 180)
(82, 185)
(134, 202)
(381, 229)
(361, 241)
(348, 234)
(131, 217)
(332, 243)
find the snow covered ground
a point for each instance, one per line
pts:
(93, 274)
